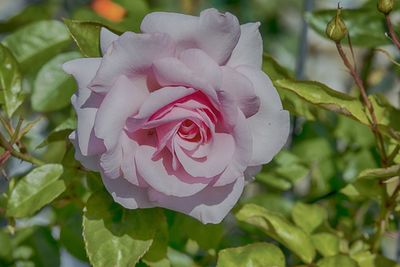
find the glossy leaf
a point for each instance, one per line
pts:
(10, 81)
(38, 188)
(326, 244)
(380, 173)
(308, 217)
(290, 101)
(36, 43)
(29, 14)
(53, 87)
(157, 254)
(367, 259)
(338, 260)
(86, 35)
(320, 95)
(278, 228)
(255, 255)
(60, 132)
(115, 236)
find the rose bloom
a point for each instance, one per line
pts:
(179, 116)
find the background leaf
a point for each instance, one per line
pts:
(36, 189)
(279, 229)
(53, 87)
(255, 255)
(34, 44)
(115, 236)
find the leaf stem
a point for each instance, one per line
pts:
(367, 103)
(25, 157)
(388, 206)
(392, 33)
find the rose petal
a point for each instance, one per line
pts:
(210, 205)
(242, 91)
(270, 126)
(249, 49)
(242, 155)
(220, 154)
(89, 162)
(127, 194)
(213, 32)
(122, 101)
(160, 175)
(131, 55)
(160, 98)
(107, 37)
(83, 71)
(172, 72)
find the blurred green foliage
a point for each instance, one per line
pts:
(317, 204)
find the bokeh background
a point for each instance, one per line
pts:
(324, 151)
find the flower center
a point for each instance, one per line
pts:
(189, 130)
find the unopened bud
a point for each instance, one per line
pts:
(385, 6)
(336, 29)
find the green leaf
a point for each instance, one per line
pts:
(290, 101)
(363, 189)
(308, 217)
(30, 14)
(36, 43)
(336, 261)
(380, 173)
(354, 133)
(86, 35)
(207, 236)
(38, 188)
(46, 251)
(280, 229)
(5, 246)
(157, 253)
(53, 87)
(322, 96)
(273, 180)
(10, 81)
(70, 221)
(115, 236)
(388, 117)
(326, 244)
(367, 259)
(255, 255)
(60, 132)
(365, 25)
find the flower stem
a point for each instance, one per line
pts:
(388, 206)
(367, 103)
(392, 33)
(25, 157)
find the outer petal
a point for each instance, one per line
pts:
(249, 49)
(89, 162)
(131, 55)
(158, 173)
(242, 91)
(122, 101)
(106, 39)
(213, 32)
(270, 126)
(210, 205)
(83, 71)
(128, 195)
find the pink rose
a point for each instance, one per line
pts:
(178, 116)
